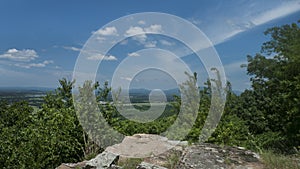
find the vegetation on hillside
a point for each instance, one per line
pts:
(265, 117)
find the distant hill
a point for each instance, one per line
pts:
(237, 92)
(33, 95)
(147, 91)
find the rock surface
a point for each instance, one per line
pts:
(145, 165)
(143, 145)
(158, 152)
(211, 156)
(105, 160)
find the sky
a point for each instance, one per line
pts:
(41, 41)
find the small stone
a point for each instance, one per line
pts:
(255, 155)
(220, 161)
(211, 149)
(241, 148)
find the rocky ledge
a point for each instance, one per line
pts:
(157, 152)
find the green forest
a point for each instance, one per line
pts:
(264, 117)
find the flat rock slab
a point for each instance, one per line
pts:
(157, 151)
(142, 146)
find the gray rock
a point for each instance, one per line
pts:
(72, 165)
(143, 145)
(211, 156)
(103, 160)
(157, 151)
(145, 165)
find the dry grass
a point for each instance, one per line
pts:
(278, 161)
(129, 163)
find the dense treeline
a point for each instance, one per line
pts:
(267, 116)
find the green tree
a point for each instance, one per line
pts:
(273, 106)
(43, 138)
(57, 131)
(15, 122)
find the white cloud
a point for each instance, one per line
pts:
(124, 42)
(133, 54)
(237, 76)
(154, 29)
(24, 55)
(23, 58)
(31, 65)
(61, 73)
(230, 34)
(135, 30)
(100, 38)
(151, 44)
(139, 33)
(166, 43)
(141, 22)
(126, 78)
(102, 57)
(108, 31)
(72, 48)
(278, 12)
(195, 21)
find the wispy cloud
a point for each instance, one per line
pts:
(133, 54)
(236, 75)
(246, 17)
(31, 65)
(195, 21)
(166, 43)
(72, 48)
(150, 44)
(283, 10)
(141, 22)
(126, 78)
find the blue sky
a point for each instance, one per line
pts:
(40, 40)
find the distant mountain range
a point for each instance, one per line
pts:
(15, 89)
(174, 91)
(147, 91)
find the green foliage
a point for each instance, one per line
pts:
(42, 138)
(15, 135)
(273, 106)
(230, 131)
(268, 115)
